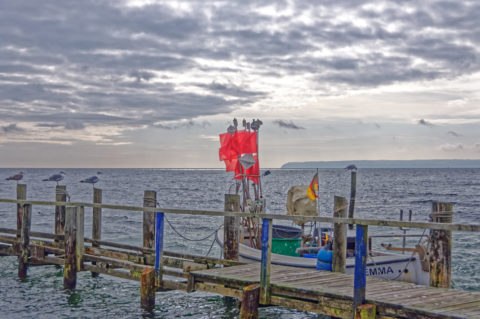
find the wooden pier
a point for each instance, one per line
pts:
(330, 293)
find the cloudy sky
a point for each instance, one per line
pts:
(152, 83)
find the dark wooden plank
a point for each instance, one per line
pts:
(475, 305)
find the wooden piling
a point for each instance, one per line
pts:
(60, 196)
(96, 222)
(265, 263)
(70, 265)
(231, 228)
(250, 299)
(339, 235)
(440, 254)
(149, 200)
(147, 289)
(80, 247)
(21, 195)
(366, 311)
(24, 241)
(353, 193)
(360, 274)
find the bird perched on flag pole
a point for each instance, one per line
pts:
(313, 188)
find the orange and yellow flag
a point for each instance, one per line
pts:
(313, 188)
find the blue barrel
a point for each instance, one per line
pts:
(324, 259)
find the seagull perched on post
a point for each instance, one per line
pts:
(55, 177)
(15, 177)
(91, 180)
(351, 167)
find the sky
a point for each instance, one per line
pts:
(120, 83)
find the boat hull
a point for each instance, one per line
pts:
(389, 266)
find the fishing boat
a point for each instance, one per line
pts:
(290, 245)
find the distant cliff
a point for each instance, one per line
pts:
(388, 164)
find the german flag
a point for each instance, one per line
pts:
(313, 188)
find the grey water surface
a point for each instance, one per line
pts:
(381, 193)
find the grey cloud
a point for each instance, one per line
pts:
(12, 128)
(180, 125)
(288, 125)
(451, 147)
(55, 59)
(74, 125)
(230, 90)
(453, 133)
(142, 75)
(425, 123)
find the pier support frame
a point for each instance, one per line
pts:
(21, 195)
(24, 241)
(149, 200)
(339, 235)
(71, 249)
(147, 289)
(250, 299)
(96, 222)
(441, 246)
(60, 196)
(231, 231)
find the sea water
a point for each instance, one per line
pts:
(381, 193)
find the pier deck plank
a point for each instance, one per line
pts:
(328, 289)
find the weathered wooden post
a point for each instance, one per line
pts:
(60, 196)
(96, 221)
(24, 241)
(360, 309)
(149, 200)
(147, 289)
(266, 261)
(353, 193)
(70, 264)
(441, 246)
(159, 227)
(250, 298)
(231, 227)
(340, 235)
(80, 249)
(21, 195)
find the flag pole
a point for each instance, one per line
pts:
(318, 195)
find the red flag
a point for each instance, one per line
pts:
(226, 150)
(245, 142)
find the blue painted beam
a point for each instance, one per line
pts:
(360, 275)
(265, 261)
(159, 227)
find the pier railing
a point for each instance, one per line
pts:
(68, 247)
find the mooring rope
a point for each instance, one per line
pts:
(411, 257)
(190, 239)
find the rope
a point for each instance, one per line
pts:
(411, 257)
(340, 208)
(210, 249)
(190, 239)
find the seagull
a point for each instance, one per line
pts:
(91, 180)
(15, 177)
(351, 167)
(55, 177)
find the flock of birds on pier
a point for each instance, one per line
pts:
(56, 178)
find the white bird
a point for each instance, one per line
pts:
(15, 177)
(55, 177)
(91, 180)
